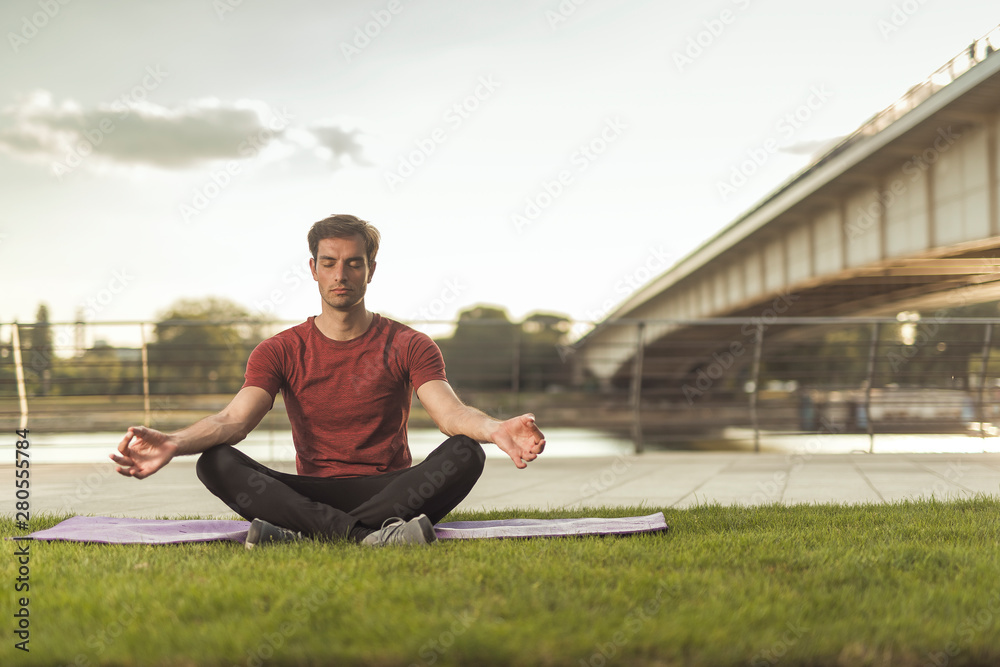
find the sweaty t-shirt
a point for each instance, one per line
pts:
(347, 401)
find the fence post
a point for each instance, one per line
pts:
(755, 381)
(636, 397)
(981, 408)
(22, 391)
(872, 349)
(515, 369)
(147, 412)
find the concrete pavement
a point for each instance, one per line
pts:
(652, 480)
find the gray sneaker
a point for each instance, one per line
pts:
(262, 532)
(419, 530)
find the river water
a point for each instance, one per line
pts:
(560, 443)
(277, 445)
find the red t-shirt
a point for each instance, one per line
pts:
(347, 401)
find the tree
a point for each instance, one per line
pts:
(8, 376)
(480, 354)
(201, 347)
(489, 352)
(540, 365)
(39, 359)
(101, 370)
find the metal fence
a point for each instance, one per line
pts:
(674, 383)
(801, 375)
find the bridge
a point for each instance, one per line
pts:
(900, 215)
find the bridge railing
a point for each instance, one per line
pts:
(977, 51)
(674, 383)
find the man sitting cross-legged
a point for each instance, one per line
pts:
(346, 377)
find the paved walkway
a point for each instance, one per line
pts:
(654, 480)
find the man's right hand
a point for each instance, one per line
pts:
(142, 452)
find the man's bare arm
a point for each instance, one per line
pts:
(518, 437)
(143, 450)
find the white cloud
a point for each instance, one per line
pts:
(337, 143)
(129, 132)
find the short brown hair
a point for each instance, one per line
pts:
(342, 226)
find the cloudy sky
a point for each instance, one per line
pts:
(538, 155)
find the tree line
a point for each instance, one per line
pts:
(201, 346)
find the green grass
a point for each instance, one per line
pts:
(915, 583)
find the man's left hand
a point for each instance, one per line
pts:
(520, 438)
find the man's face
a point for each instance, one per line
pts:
(342, 271)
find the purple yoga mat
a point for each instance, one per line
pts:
(111, 530)
(468, 530)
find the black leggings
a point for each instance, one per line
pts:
(329, 507)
